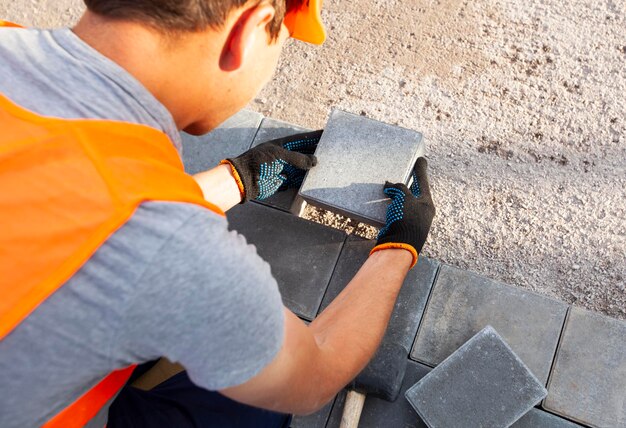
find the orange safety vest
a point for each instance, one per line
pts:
(65, 187)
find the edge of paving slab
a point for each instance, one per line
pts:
(423, 316)
(554, 361)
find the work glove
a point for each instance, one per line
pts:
(275, 165)
(409, 214)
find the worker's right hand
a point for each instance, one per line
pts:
(409, 214)
(275, 165)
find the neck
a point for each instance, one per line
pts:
(164, 67)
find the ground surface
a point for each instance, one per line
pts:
(523, 109)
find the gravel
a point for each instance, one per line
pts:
(523, 110)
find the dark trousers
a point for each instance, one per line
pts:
(179, 403)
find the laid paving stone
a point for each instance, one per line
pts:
(402, 329)
(588, 382)
(482, 384)
(318, 419)
(463, 303)
(271, 129)
(538, 419)
(302, 254)
(231, 138)
(356, 156)
(379, 413)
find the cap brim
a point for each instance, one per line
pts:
(9, 24)
(305, 23)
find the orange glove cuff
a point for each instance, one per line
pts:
(242, 189)
(400, 246)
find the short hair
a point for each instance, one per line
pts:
(180, 16)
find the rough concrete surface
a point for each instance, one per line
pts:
(523, 112)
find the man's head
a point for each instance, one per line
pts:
(203, 59)
(180, 16)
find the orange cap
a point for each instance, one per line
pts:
(305, 22)
(9, 24)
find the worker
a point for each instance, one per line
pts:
(112, 258)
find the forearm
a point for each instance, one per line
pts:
(350, 330)
(219, 187)
(315, 362)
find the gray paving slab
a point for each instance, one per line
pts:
(271, 129)
(318, 419)
(539, 419)
(588, 381)
(463, 303)
(482, 384)
(378, 413)
(302, 254)
(231, 138)
(383, 376)
(356, 156)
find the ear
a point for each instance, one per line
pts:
(248, 28)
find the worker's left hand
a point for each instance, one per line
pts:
(275, 165)
(409, 215)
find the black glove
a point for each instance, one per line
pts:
(275, 165)
(409, 214)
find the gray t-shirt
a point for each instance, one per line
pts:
(173, 281)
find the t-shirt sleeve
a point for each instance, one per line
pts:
(209, 302)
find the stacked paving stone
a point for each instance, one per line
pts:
(578, 356)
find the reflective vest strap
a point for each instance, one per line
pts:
(96, 174)
(86, 407)
(9, 24)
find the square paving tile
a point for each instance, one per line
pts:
(588, 382)
(271, 129)
(231, 138)
(404, 320)
(538, 419)
(463, 303)
(482, 384)
(378, 413)
(356, 156)
(302, 254)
